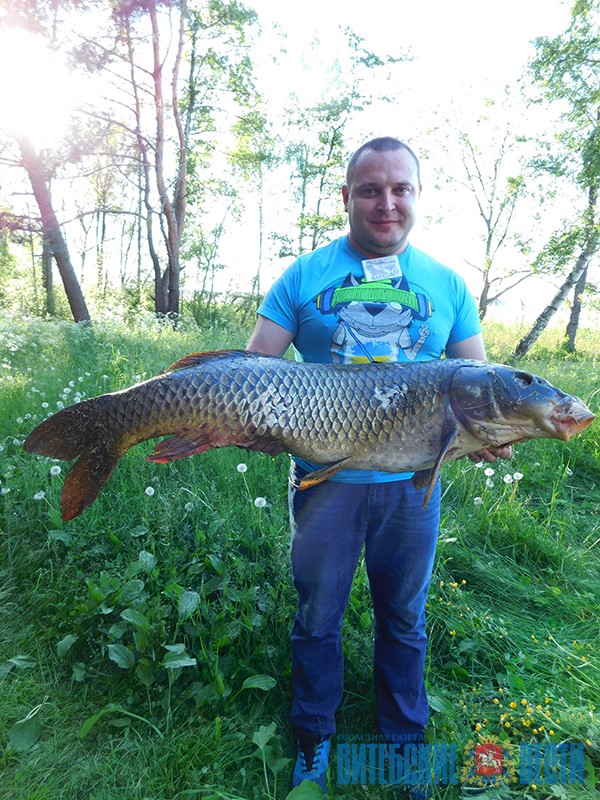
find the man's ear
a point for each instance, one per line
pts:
(345, 195)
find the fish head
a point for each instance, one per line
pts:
(501, 405)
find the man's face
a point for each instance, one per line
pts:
(381, 202)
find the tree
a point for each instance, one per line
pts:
(566, 69)
(183, 107)
(51, 230)
(316, 145)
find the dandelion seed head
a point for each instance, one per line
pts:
(260, 502)
(517, 476)
(508, 479)
(242, 468)
(44, 405)
(149, 490)
(20, 420)
(478, 501)
(568, 472)
(188, 506)
(489, 472)
(489, 483)
(4, 490)
(55, 470)
(478, 464)
(39, 495)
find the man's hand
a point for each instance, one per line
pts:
(491, 454)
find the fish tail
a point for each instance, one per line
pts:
(80, 431)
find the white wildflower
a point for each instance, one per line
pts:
(44, 405)
(60, 404)
(188, 507)
(517, 476)
(478, 501)
(489, 472)
(39, 495)
(4, 490)
(508, 479)
(568, 472)
(479, 464)
(20, 420)
(66, 390)
(242, 468)
(149, 490)
(56, 470)
(260, 502)
(489, 483)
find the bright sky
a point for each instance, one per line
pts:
(462, 53)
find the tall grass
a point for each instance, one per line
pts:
(144, 648)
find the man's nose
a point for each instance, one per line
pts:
(386, 201)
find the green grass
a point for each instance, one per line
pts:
(144, 648)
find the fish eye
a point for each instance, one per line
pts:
(523, 379)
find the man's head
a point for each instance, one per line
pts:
(380, 195)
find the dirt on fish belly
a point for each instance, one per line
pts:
(391, 417)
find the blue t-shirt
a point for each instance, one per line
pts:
(338, 316)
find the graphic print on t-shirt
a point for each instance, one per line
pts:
(383, 320)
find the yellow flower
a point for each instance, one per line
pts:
(523, 702)
(551, 732)
(496, 701)
(452, 633)
(478, 727)
(513, 704)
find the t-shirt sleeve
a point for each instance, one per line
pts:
(467, 322)
(279, 304)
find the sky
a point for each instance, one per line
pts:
(461, 53)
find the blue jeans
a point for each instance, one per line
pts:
(330, 524)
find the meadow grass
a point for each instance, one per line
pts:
(144, 650)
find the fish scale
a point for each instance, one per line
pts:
(391, 417)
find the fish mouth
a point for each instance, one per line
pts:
(570, 418)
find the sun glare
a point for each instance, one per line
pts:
(36, 89)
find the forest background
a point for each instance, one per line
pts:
(175, 156)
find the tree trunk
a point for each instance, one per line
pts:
(542, 321)
(590, 246)
(47, 278)
(573, 324)
(51, 229)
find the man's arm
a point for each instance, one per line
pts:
(269, 338)
(473, 347)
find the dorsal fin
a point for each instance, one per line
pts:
(194, 359)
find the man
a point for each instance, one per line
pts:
(368, 296)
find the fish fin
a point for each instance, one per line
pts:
(85, 481)
(181, 446)
(194, 359)
(428, 478)
(320, 475)
(80, 430)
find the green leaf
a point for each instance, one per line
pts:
(91, 721)
(440, 704)
(21, 662)
(121, 655)
(60, 536)
(263, 734)
(308, 790)
(26, 732)
(188, 603)
(263, 682)
(65, 644)
(147, 561)
(132, 590)
(515, 682)
(135, 618)
(175, 660)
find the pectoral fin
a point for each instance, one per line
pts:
(428, 477)
(320, 475)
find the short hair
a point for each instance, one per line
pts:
(380, 145)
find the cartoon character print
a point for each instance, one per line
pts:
(381, 320)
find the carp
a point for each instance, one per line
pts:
(381, 416)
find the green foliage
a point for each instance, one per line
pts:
(145, 644)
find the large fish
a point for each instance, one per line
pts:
(391, 417)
